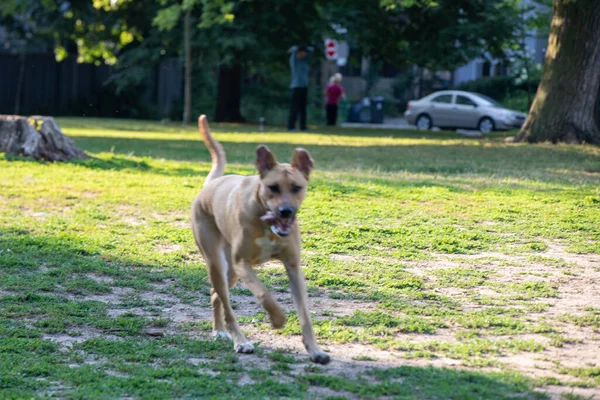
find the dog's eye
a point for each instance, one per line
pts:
(296, 188)
(274, 188)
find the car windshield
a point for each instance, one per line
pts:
(488, 100)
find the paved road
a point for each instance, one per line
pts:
(388, 123)
(400, 123)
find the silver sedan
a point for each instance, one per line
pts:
(461, 110)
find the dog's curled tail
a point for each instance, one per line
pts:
(216, 150)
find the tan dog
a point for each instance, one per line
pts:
(243, 221)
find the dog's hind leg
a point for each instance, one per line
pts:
(220, 283)
(232, 276)
(219, 330)
(213, 247)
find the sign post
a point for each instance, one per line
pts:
(331, 49)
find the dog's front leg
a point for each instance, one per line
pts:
(299, 294)
(258, 289)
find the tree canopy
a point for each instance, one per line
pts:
(442, 34)
(252, 36)
(439, 34)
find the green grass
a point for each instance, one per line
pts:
(591, 318)
(447, 243)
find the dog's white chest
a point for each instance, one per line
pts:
(269, 245)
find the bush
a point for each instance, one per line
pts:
(499, 87)
(108, 102)
(267, 95)
(518, 101)
(204, 95)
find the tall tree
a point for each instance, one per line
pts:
(566, 107)
(187, 50)
(438, 35)
(249, 34)
(166, 19)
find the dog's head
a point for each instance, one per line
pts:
(282, 187)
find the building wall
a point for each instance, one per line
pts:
(535, 45)
(466, 73)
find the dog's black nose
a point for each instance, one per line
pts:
(286, 212)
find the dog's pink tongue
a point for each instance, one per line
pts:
(269, 217)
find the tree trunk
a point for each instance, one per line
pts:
(597, 115)
(37, 137)
(420, 86)
(565, 105)
(187, 91)
(523, 30)
(229, 94)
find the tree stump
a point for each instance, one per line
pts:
(38, 137)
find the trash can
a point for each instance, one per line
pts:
(354, 113)
(360, 112)
(377, 110)
(365, 111)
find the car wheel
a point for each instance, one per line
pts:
(486, 125)
(424, 122)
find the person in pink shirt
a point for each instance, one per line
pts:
(333, 93)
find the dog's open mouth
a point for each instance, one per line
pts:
(279, 226)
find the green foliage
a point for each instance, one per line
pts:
(258, 33)
(29, 23)
(518, 101)
(136, 36)
(540, 20)
(168, 17)
(500, 87)
(437, 35)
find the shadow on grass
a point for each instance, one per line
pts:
(160, 369)
(127, 164)
(409, 382)
(39, 262)
(119, 163)
(545, 162)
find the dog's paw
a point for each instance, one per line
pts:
(245, 348)
(278, 320)
(320, 357)
(221, 335)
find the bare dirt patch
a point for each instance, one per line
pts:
(169, 247)
(100, 279)
(575, 292)
(113, 298)
(80, 334)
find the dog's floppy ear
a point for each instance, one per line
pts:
(265, 160)
(302, 162)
